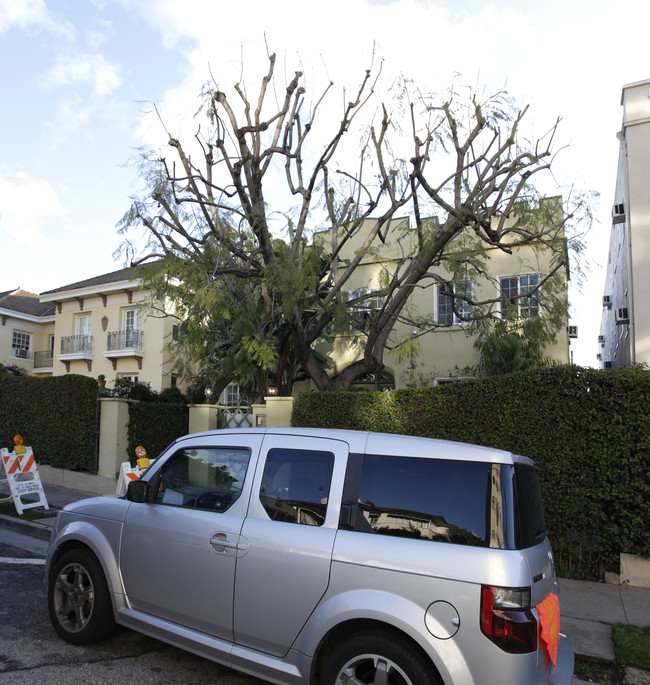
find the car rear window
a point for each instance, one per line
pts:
(531, 529)
(460, 502)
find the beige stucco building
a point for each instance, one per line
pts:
(105, 325)
(625, 325)
(448, 348)
(26, 332)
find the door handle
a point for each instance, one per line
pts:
(221, 544)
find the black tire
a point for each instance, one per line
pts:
(78, 599)
(378, 656)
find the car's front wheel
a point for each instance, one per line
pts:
(78, 599)
(378, 657)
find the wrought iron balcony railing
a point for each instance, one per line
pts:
(124, 340)
(76, 344)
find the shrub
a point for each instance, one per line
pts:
(588, 430)
(56, 416)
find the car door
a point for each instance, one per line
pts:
(290, 529)
(178, 554)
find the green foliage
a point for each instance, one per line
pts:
(632, 645)
(154, 425)
(506, 349)
(587, 430)
(39, 409)
(172, 395)
(126, 389)
(12, 370)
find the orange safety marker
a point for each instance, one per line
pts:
(549, 627)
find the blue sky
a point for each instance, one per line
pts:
(78, 79)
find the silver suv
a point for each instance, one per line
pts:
(322, 557)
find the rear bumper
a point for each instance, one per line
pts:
(563, 674)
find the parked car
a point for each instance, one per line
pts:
(322, 557)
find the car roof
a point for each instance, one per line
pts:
(389, 444)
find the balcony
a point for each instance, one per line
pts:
(43, 361)
(76, 348)
(121, 344)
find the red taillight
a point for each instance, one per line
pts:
(507, 620)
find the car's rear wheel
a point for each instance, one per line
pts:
(378, 657)
(78, 599)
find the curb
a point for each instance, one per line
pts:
(36, 530)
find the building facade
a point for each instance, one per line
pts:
(625, 324)
(26, 332)
(447, 350)
(107, 326)
(110, 326)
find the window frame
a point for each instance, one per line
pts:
(24, 344)
(306, 513)
(525, 306)
(208, 487)
(460, 315)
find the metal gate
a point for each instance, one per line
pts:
(236, 416)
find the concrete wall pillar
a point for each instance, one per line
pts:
(113, 436)
(203, 417)
(278, 411)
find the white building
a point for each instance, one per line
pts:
(625, 326)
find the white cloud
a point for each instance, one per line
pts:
(26, 206)
(29, 14)
(88, 68)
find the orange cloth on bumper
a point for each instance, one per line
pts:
(549, 627)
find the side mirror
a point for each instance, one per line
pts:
(137, 491)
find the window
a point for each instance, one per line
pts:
(515, 303)
(204, 478)
(230, 396)
(296, 484)
(131, 327)
(361, 313)
(434, 499)
(20, 345)
(452, 310)
(531, 529)
(83, 338)
(375, 302)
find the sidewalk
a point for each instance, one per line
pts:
(587, 609)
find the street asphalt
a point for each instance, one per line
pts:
(587, 610)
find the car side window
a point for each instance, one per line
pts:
(295, 485)
(432, 499)
(204, 477)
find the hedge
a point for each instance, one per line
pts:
(588, 430)
(154, 425)
(39, 409)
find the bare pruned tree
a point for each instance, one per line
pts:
(242, 202)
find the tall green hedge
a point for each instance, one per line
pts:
(56, 416)
(154, 425)
(588, 430)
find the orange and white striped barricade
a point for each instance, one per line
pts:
(127, 474)
(23, 478)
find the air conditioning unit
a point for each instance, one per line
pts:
(573, 331)
(618, 214)
(608, 365)
(22, 354)
(599, 356)
(622, 316)
(607, 301)
(601, 339)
